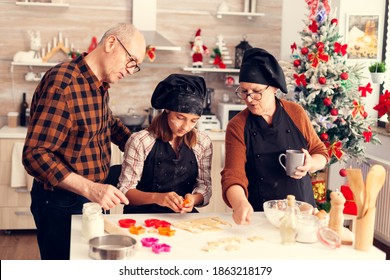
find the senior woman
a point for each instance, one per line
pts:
(259, 134)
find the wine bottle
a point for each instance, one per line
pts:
(23, 108)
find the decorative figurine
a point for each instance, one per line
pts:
(198, 50)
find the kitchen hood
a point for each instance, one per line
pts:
(144, 18)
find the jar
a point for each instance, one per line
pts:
(92, 221)
(307, 228)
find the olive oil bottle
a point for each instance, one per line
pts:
(288, 224)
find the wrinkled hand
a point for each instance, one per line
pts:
(243, 213)
(171, 200)
(106, 195)
(304, 169)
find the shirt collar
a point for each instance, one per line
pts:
(89, 75)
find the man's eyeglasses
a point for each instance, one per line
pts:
(243, 93)
(132, 63)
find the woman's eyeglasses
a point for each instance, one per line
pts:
(132, 63)
(243, 93)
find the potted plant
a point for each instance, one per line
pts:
(377, 70)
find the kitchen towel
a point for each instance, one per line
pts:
(19, 176)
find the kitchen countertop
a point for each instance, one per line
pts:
(187, 245)
(18, 132)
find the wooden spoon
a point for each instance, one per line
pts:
(356, 183)
(374, 182)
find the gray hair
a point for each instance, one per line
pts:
(123, 31)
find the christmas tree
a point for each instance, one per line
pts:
(221, 54)
(330, 90)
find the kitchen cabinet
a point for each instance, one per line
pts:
(14, 202)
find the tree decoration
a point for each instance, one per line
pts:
(151, 52)
(365, 89)
(383, 106)
(330, 90)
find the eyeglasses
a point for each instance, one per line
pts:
(132, 63)
(243, 93)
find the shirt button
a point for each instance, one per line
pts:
(288, 131)
(158, 163)
(192, 161)
(261, 179)
(258, 155)
(254, 133)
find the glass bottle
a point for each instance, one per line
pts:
(23, 108)
(288, 224)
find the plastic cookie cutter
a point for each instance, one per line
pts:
(137, 230)
(149, 241)
(126, 223)
(156, 223)
(166, 231)
(186, 202)
(160, 248)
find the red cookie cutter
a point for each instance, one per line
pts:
(126, 223)
(156, 223)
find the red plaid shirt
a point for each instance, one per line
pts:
(71, 126)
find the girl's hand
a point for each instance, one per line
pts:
(171, 200)
(188, 203)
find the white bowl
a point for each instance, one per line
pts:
(274, 210)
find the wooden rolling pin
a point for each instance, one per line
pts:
(113, 228)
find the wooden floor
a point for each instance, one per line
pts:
(19, 245)
(22, 245)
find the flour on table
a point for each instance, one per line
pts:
(202, 224)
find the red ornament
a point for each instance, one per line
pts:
(304, 51)
(327, 101)
(297, 62)
(343, 172)
(334, 112)
(344, 76)
(365, 114)
(322, 80)
(324, 136)
(334, 21)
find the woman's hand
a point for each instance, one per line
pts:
(242, 213)
(304, 169)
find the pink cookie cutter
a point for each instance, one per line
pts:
(149, 241)
(159, 248)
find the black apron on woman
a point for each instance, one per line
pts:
(264, 143)
(165, 172)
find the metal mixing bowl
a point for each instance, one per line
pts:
(112, 247)
(132, 120)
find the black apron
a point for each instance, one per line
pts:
(264, 142)
(164, 172)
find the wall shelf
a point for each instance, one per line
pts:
(210, 70)
(32, 63)
(243, 14)
(42, 4)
